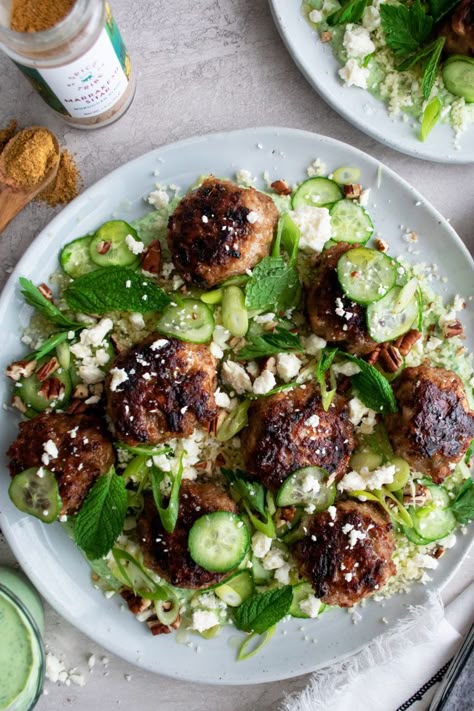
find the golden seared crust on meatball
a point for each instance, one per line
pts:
(167, 553)
(458, 29)
(347, 555)
(84, 452)
(434, 425)
(220, 230)
(290, 430)
(331, 314)
(160, 389)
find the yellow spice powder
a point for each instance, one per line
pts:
(38, 15)
(30, 157)
(65, 186)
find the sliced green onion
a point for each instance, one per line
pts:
(169, 513)
(167, 610)
(135, 468)
(264, 639)
(146, 449)
(405, 296)
(64, 354)
(402, 474)
(265, 526)
(288, 237)
(234, 422)
(431, 116)
(156, 592)
(234, 313)
(347, 174)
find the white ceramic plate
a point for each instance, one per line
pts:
(52, 561)
(318, 64)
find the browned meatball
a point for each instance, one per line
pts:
(84, 452)
(290, 430)
(160, 389)
(434, 425)
(348, 555)
(458, 28)
(331, 314)
(167, 553)
(220, 230)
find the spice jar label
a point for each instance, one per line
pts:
(91, 85)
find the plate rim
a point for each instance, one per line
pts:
(270, 132)
(304, 67)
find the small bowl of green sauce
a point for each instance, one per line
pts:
(22, 658)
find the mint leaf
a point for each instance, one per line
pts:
(440, 8)
(35, 298)
(352, 11)
(115, 289)
(324, 363)
(463, 505)
(101, 516)
(270, 343)
(262, 611)
(273, 285)
(405, 28)
(372, 388)
(251, 491)
(410, 62)
(431, 67)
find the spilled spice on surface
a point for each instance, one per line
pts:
(7, 133)
(38, 15)
(66, 185)
(29, 158)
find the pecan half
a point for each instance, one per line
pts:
(45, 291)
(104, 246)
(156, 627)
(453, 329)
(406, 342)
(281, 187)
(421, 496)
(47, 369)
(19, 404)
(326, 36)
(52, 389)
(374, 355)
(151, 260)
(77, 407)
(21, 369)
(390, 359)
(136, 604)
(352, 191)
(287, 513)
(81, 391)
(381, 245)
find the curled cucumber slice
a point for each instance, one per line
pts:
(393, 316)
(190, 320)
(436, 520)
(316, 192)
(218, 541)
(236, 589)
(305, 487)
(109, 246)
(35, 492)
(366, 275)
(301, 592)
(458, 76)
(350, 223)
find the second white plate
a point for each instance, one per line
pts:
(318, 64)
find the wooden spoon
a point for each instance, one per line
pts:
(14, 197)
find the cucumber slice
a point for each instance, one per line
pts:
(35, 492)
(236, 589)
(366, 275)
(190, 320)
(386, 324)
(260, 575)
(436, 520)
(114, 235)
(316, 192)
(458, 76)
(218, 541)
(307, 486)
(300, 593)
(414, 537)
(63, 354)
(28, 389)
(401, 476)
(350, 223)
(75, 257)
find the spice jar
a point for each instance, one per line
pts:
(74, 56)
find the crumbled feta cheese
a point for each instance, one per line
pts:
(91, 374)
(220, 336)
(313, 344)
(261, 544)
(253, 217)
(332, 511)
(310, 484)
(159, 344)
(265, 318)
(357, 42)
(314, 224)
(204, 620)
(137, 320)
(50, 452)
(91, 350)
(347, 368)
(274, 559)
(210, 602)
(310, 606)
(264, 383)
(354, 75)
(158, 198)
(136, 246)
(236, 377)
(364, 197)
(283, 574)
(119, 376)
(55, 669)
(216, 350)
(288, 366)
(371, 17)
(365, 479)
(222, 399)
(362, 416)
(317, 167)
(315, 16)
(244, 177)
(312, 421)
